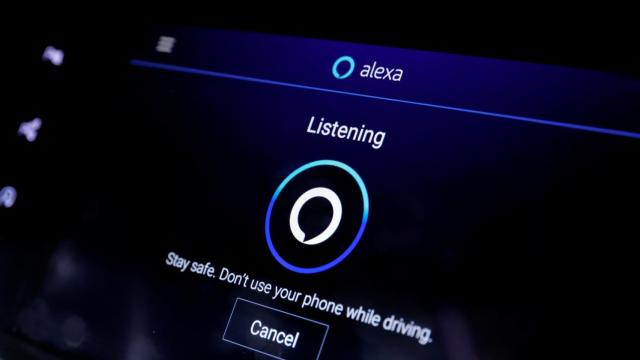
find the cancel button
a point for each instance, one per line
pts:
(273, 332)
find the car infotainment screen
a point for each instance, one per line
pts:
(240, 195)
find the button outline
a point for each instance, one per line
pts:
(324, 338)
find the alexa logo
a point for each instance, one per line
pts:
(344, 66)
(338, 66)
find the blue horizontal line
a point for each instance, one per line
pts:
(189, 70)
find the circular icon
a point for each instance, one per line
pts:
(336, 207)
(316, 216)
(340, 60)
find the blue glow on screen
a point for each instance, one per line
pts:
(527, 119)
(354, 243)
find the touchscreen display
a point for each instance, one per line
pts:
(255, 196)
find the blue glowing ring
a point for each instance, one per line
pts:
(365, 216)
(338, 61)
